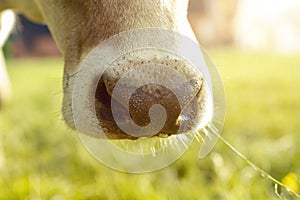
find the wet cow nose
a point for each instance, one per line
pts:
(145, 97)
(140, 103)
(183, 108)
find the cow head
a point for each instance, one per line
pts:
(78, 26)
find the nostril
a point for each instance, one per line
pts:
(102, 95)
(103, 103)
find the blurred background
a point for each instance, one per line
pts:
(255, 45)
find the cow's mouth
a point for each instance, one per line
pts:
(181, 118)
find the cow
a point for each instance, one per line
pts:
(78, 26)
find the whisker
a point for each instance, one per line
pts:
(199, 137)
(210, 128)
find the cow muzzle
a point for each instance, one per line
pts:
(141, 85)
(150, 93)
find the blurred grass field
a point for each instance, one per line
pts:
(45, 160)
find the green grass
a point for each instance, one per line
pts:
(45, 160)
